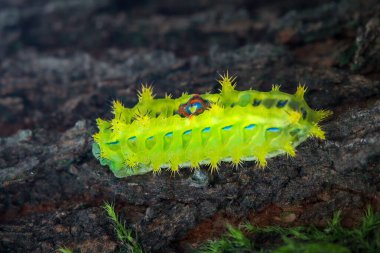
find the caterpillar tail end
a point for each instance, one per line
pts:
(117, 170)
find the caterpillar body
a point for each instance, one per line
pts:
(194, 130)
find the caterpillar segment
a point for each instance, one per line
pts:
(194, 130)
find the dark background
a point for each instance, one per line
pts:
(63, 62)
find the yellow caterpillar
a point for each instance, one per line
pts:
(194, 130)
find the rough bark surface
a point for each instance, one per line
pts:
(63, 62)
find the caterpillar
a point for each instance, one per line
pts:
(194, 130)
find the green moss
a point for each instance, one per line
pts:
(308, 239)
(128, 243)
(65, 250)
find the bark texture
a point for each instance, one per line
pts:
(63, 62)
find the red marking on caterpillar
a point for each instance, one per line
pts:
(195, 106)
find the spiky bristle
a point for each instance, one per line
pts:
(317, 132)
(262, 162)
(227, 82)
(214, 167)
(289, 149)
(146, 93)
(168, 96)
(301, 90)
(276, 87)
(294, 117)
(117, 108)
(131, 160)
(97, 137)
(102, 124)
(323, 114)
